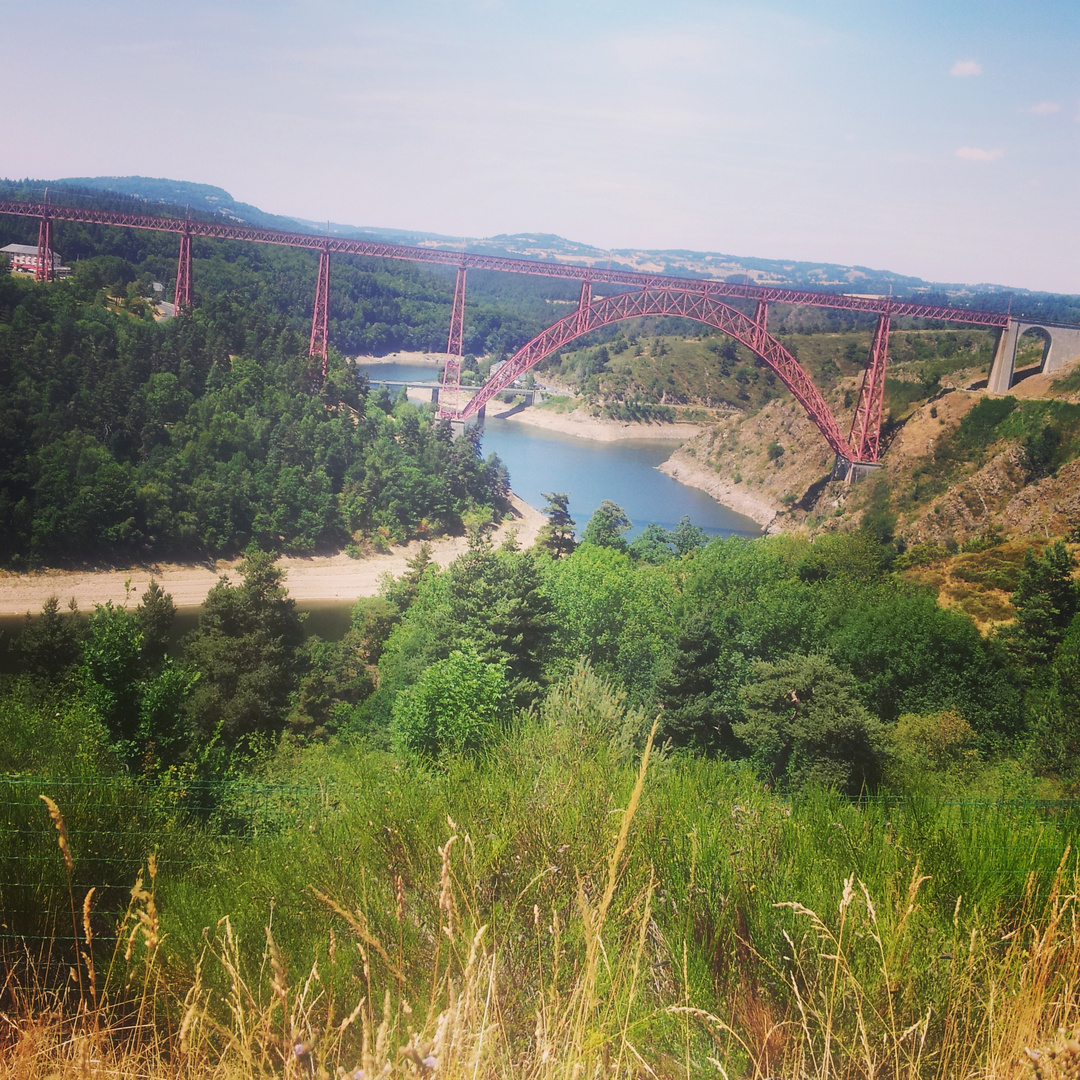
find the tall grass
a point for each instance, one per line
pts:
(562, 908)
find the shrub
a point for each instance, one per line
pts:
(941, 740)
(805, 726)
(454, 706)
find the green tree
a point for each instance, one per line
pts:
(111, 673)
(491, 601)
(619, 616)
(373, 618)
(402, 591)
(652, 546)
(245, 650)
(687, 537)
(1040, 452)
(1054, 745)
(698, 687)
(164, 732)
(48, 646)
(156, 614)
(557, 534)
(805, 725)
(335, 679)
(606, 526)
(454, 707)
(1045, 601)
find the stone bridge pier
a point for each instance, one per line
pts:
(1063, 344)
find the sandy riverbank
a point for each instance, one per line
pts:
(322, 577)
(687, 470)
(598, 429)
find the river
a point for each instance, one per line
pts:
(538, 460)
(589, 472)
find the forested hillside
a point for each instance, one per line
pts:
(125, 435)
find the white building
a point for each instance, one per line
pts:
(23, 259)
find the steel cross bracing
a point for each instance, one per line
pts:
(750, 330)
(182, 297)
(865, 434)
(537, 267)
(455, 343)
(44, 269)
(321, 315)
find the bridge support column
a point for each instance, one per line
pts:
(44, 270)
(851, 471)
(583, 305)
(455, 347)
(1001, 373)
(182, 300)
(459, 426)
(320, 317)
(1064, 346)
(865, 433)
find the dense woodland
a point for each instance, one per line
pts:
(122, 436)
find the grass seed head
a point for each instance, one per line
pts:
(58, 820)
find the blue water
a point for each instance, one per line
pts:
(378, 373)
(589, 472)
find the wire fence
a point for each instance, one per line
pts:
(195, 829)
(112, 826)
(1007, 837)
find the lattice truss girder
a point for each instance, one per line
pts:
(536, 267)
(44, 269)
(320, 316)
(182, 297)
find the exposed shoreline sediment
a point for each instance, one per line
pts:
(680, 466)
(599, 429)
(308, 578)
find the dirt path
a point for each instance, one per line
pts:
(323, 577)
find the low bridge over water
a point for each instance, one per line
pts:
(637, 295)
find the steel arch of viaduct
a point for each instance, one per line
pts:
(664, 301)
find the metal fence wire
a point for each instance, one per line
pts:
(112, 826)
(195, 829)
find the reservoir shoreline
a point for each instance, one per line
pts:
(308, 578)
(341, 579)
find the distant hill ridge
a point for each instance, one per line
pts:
(206, 198)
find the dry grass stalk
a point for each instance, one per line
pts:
(69, 867)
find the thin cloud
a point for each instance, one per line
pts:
(974, 153)
(964, 68)
(1045, 108)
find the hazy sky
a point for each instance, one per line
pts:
(939, 138)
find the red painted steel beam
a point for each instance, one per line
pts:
(689, 305)
(865, 434)
(320, 316)
(536, 267)
(455, 342)
(44, 269)
(584, 300)
(182, 295)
